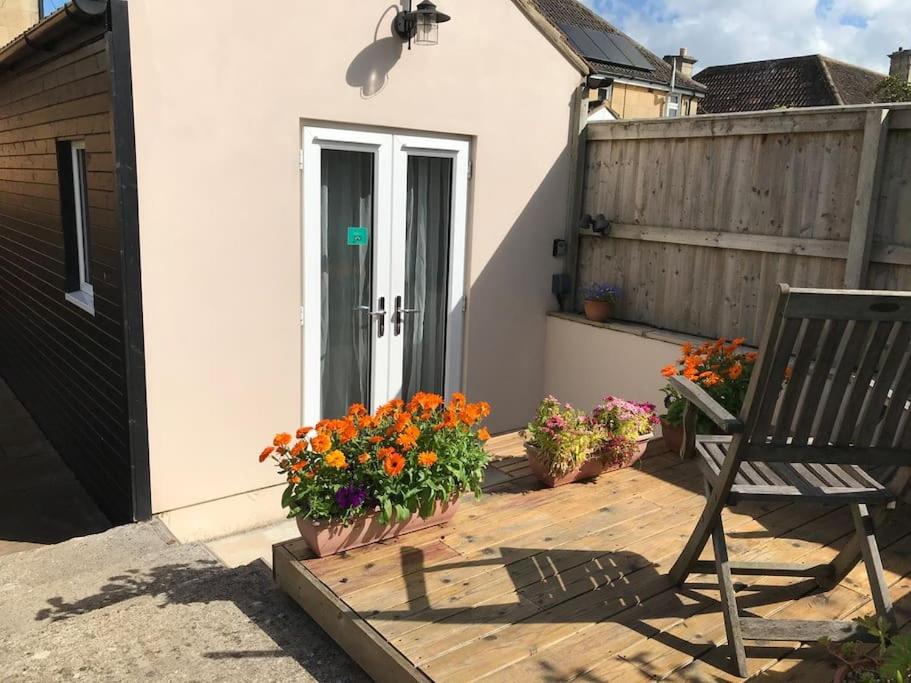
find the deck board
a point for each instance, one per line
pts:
(569, 583)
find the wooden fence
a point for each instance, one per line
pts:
(709, 213)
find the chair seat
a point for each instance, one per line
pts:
(835, 484)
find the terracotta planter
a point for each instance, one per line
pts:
(590, 469)
(673, 436)
(329, 538)
(598, 311)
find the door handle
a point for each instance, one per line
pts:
(398, 317)
(379, 314)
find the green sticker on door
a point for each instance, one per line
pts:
(357, 237)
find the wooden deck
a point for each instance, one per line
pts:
(531, 584)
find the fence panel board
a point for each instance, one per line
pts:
(711, 213)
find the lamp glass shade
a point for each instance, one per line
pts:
(427, 29)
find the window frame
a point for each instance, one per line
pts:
(79, 289)
(672, 104)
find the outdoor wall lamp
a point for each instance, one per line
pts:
(421, 24)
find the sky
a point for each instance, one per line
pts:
(861, 32)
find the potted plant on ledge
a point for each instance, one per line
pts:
(364, 478)
(599, 300)
(629, 426)
(721, 369)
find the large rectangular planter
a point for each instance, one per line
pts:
(329, 538)
(590, 469)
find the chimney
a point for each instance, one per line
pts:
(900, 64)
(684, 62)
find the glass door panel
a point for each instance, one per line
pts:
(347, 204)
(425, 308)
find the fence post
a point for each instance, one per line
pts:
(876, 132)
(578, 133)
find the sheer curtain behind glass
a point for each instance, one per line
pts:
(347, 201)
(427, 273)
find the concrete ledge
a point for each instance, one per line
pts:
(225, 516)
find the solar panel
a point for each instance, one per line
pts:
(582, 42)
(602, 46)
(611, 52)
(632, 53)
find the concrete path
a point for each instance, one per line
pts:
(132, 604)
(40, 500)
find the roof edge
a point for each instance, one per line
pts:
(830, 82)
(554, 37)
(36, 38)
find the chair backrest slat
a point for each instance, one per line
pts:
(848, 355)
(889, 432)
(790, 401)
(849, 359)
(874, 410)
(859, 388)
(829, 346)
(780, 357)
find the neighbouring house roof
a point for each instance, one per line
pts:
(808, 81)
(558, 12)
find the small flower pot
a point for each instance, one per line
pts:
(328, 538)
(590, 469)
(673, 436)
(598, 311)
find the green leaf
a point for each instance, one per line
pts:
(897, 662)
(286, 496)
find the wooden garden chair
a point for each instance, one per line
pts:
(808, 439)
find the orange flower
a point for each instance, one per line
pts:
(483, 434)
(303, 431)
(375, 439)
(709, 378)
(409, 437)
(347, 433)
(357, 410)
(384, 453)
(736, 370)
(363, 457)
(394, 464)
(299, 465)
(366, 422)
(337, 460)
(320, 443)
(426, 401)
(750, 357)
(294, 479)
(267, 451)
(470, 414)
(427, 458)
(298, 448)
(687, 348)
(402, 422)
(458, 400)
(282, 439)
(668, 371)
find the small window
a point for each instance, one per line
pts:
(74, 212)
(673, 105)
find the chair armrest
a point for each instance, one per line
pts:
(696, 395)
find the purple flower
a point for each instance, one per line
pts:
(350, 496)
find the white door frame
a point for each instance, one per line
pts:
(457, 150)
(391, 154)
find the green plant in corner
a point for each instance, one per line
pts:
(893, 89)
(886, 661)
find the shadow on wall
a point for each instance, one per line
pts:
(510, 297)
(369, 71)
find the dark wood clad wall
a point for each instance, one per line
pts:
(66, 365)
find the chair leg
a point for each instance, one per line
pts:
(865, 526)
(711, 516)
(850, 555)
(728, 601)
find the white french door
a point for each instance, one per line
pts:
(383, 265)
